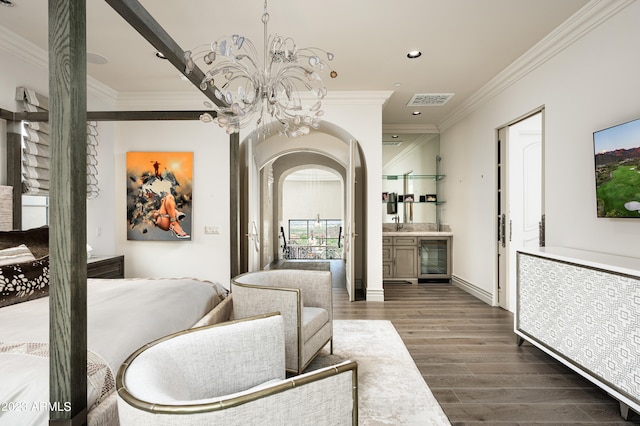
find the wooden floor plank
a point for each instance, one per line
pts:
(467, 353)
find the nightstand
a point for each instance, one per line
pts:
(105, 267)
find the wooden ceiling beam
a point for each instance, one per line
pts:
(111, 115)
(142, 21)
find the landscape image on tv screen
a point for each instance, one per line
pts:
(617, 162)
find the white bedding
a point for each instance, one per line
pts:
(122, 315)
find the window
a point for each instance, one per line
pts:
(315, 239)
(35, 211)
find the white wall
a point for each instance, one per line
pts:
(206, 256)
(361, 116)
(590, 85)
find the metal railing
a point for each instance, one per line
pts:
(294, 251)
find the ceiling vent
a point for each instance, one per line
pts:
(430, 99)
(391, 143)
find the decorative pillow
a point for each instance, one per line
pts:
(16, 255)
(20, 282)
(37, 239)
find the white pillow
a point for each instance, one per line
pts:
(16, 255)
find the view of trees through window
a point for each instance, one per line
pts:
(315, 239)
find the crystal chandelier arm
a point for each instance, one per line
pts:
(269, 88)
(283, 75)
(250, 59)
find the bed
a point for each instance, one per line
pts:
(122, 316)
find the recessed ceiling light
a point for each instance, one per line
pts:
(394, 136)
(414, 54)
(8, 3)
(397, 84)
(160, 55)
(416, 113)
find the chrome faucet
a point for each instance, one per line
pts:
(396, 219)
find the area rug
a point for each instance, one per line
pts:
(309, 265)
(391, 390)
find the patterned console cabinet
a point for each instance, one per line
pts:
(583, 308)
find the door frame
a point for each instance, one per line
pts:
(349, 221)
(505, 287)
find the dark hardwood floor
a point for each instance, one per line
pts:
(468, 355)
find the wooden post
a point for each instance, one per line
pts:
(14, 174)
(234, 203)
(67, 235)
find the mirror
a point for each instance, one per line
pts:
(410, 177)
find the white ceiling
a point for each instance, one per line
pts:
(465, 43)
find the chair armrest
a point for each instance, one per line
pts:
(324, 396)
(222, 312)
(317, 291)
(251, 300)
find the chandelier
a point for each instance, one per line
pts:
(267, 91)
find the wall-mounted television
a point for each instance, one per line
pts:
(617, 167)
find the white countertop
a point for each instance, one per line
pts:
(605, 261)
(417, 234)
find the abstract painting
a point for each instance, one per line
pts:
(159, 190)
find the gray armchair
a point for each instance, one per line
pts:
(304, 298)
(231, 374)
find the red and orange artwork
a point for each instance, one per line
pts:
(159, 195)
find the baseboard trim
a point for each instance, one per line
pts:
(473, 290)
(375, 295)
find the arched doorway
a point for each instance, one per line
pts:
(264, 162)
(311, 214)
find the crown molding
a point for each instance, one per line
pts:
(39, 58)
(194, 99)
(410, 128)
(24, 49)
(357, 98)
(573, 29)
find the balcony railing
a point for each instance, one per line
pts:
(312, 252)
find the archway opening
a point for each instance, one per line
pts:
(312, 214)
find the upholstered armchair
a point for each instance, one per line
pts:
(231, 374)
(304, 298)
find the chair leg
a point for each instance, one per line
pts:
(331, 346)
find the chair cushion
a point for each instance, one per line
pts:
(312, 320)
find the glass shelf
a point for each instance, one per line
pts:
(437, 203)
(412, 177)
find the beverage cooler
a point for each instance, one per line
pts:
(434, 256)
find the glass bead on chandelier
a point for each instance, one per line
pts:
(269, 92)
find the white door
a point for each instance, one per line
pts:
(253, 213)
(521, 199)
(349, 225)
(502, 218)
